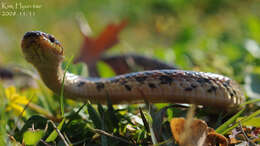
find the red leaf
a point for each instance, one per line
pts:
(92, 48)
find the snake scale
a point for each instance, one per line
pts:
(156, 86)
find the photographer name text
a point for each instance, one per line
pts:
(18, 9)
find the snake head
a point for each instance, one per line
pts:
(40, 48)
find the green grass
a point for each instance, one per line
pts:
(62, 86)
(210, 36)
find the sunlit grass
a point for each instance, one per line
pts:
(199, 36)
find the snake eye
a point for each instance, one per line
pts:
(52, 39)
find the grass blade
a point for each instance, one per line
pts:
(224, 126)
(242, 121)
(146, 125)
(62, 87)
(94, 116)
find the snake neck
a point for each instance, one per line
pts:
(52, 75)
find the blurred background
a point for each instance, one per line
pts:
(209, 35)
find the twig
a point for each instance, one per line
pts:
(45, 143)
(44, 112)
(99, 131)
(66, 137)
(59, 133)
(244, 134)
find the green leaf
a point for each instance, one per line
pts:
(254, 28)
(37, 122)
(78, 69)
(105, 70)
(94, 116)
(252, 122)
(32, 137)
(54, 133)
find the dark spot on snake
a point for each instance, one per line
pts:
(227, 87)
(188, 89)
(193, 86)
(148, 73)
(114, 80)
(100, 86)
(228, 82)
(81, 83)
(123, 82)
(127, 77)
(51, 38)
(203, 80)
(151, 85)
(234, 92)
(165, 79)
(140, 79)
(128, 87)
(167, 72)
(212, 89)
(224, 84)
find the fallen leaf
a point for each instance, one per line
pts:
(92, 48)
(197, 133)
(213, 138)
(194, 135)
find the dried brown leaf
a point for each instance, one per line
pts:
(198, 133)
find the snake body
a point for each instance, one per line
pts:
(156, 86)
(126, 63)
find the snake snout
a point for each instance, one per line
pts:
(32, 34)
(31, 38)
(41, 47)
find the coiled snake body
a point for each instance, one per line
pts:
(178, 86)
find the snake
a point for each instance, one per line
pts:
(126, 63)
(6, 73)
(46, 54)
